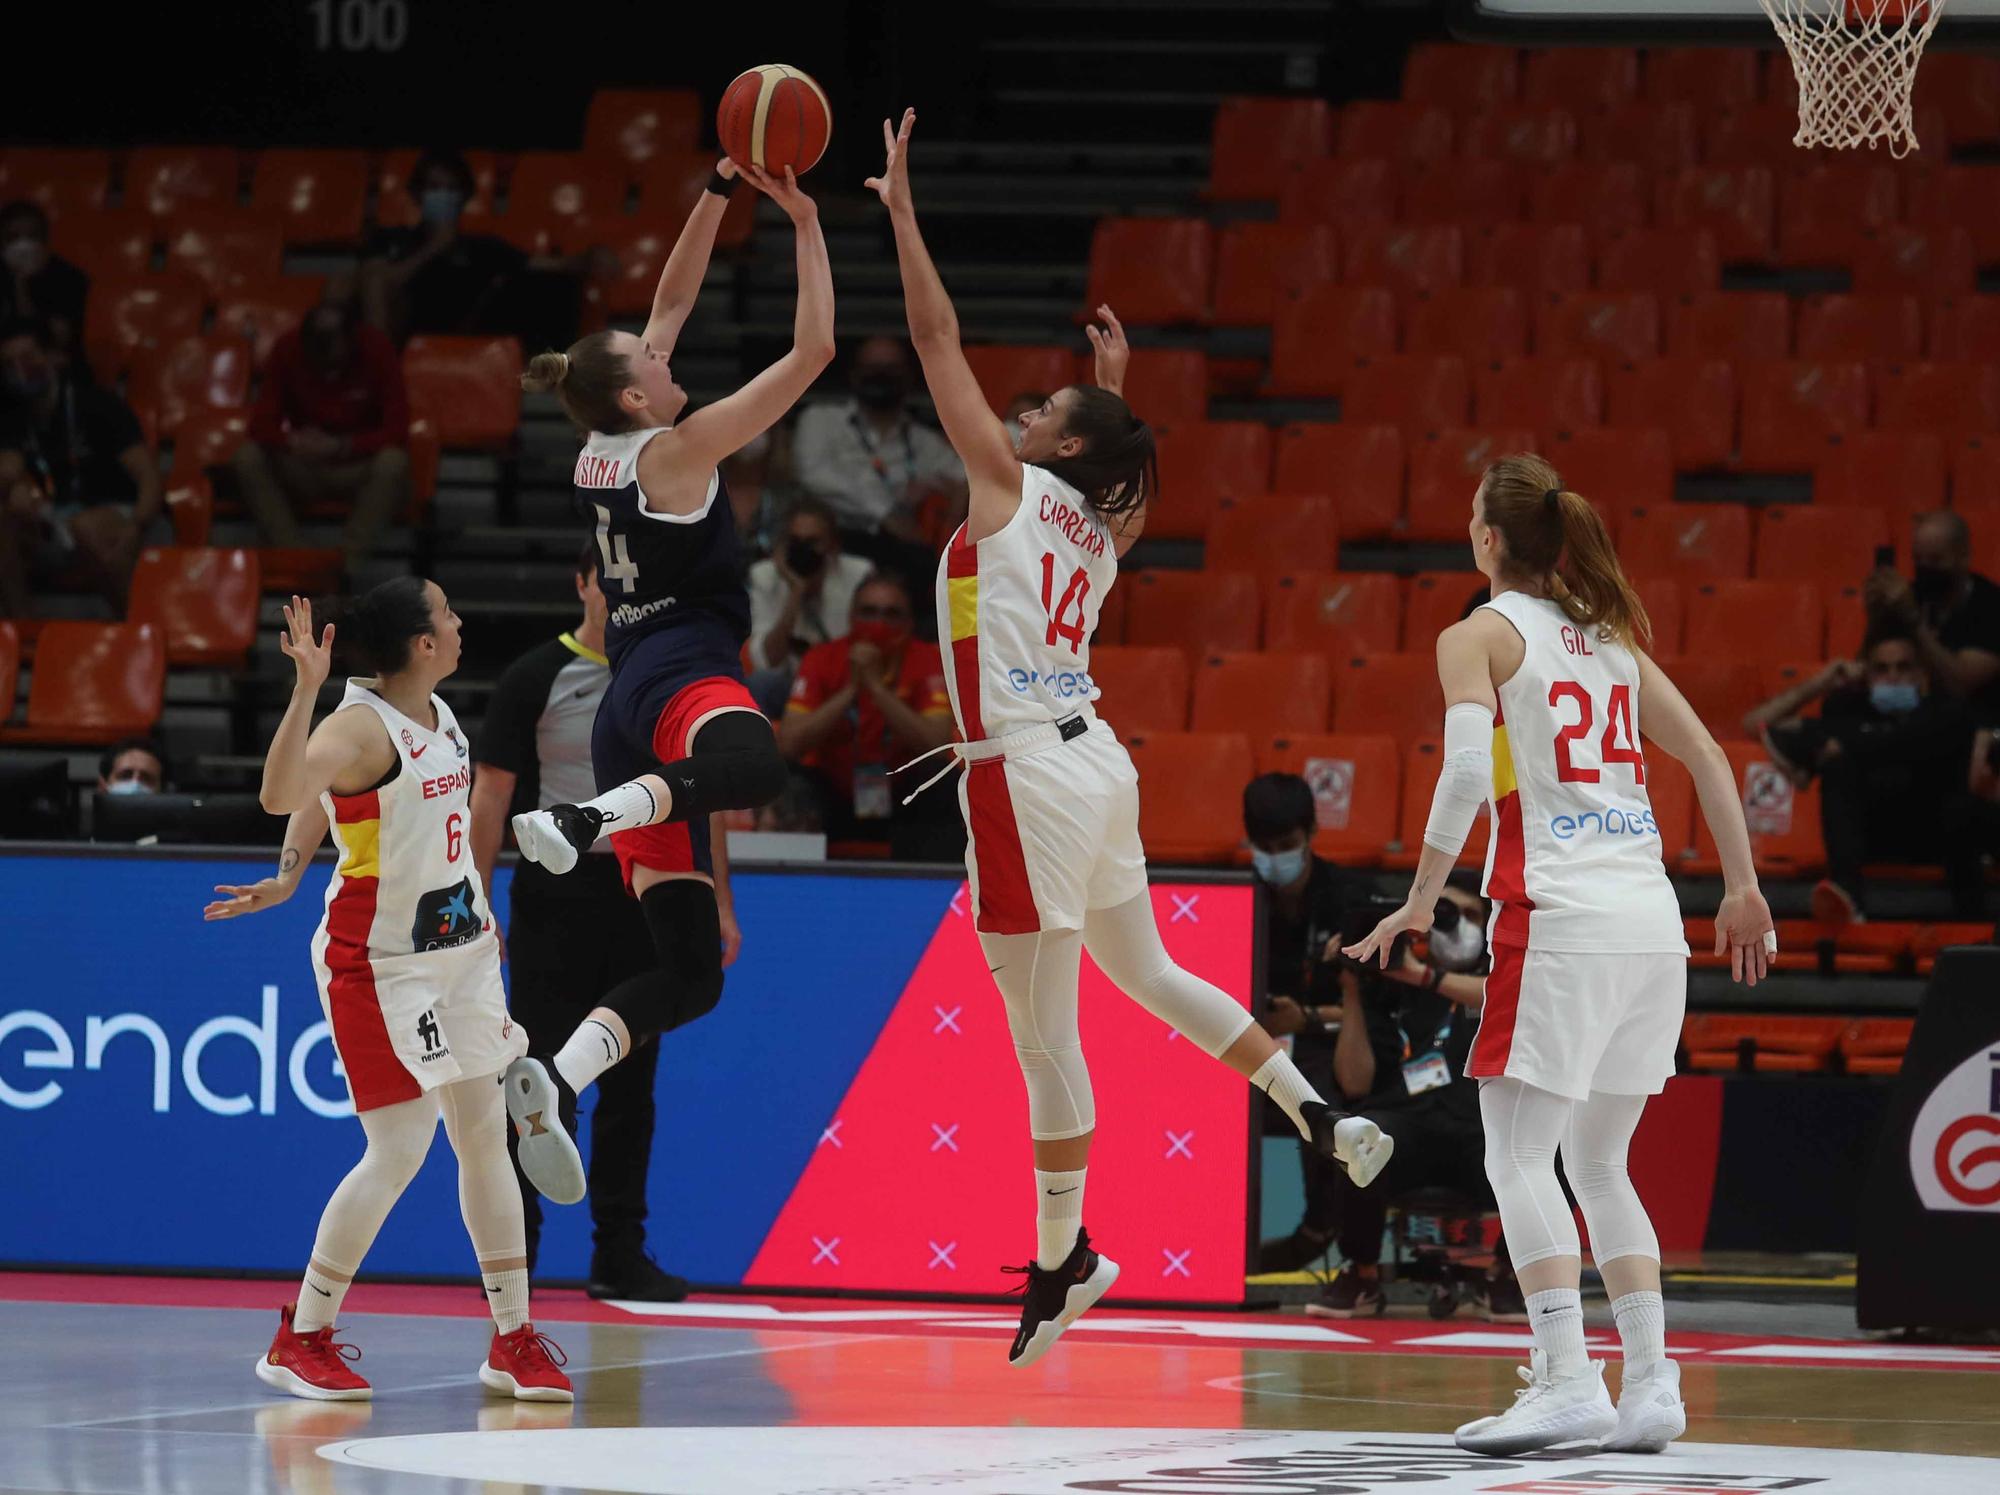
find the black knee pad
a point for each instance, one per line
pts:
(734, 764)
(687, 937)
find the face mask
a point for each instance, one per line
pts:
(804, 557)
(1932, 583)
(879, 391)
(1457, 943)
(1894, 697)
(1278, 869)
(888, 637)
(129, 786)
(22, 256)
(440, 204)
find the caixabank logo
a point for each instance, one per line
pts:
(1955, 1145)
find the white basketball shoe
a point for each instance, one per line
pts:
(1546, 1412)
(1650, 1412)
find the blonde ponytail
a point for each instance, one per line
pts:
(545, 371)
(1557, 538)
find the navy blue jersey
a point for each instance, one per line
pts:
(659, 571)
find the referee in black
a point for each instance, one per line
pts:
(570, 939)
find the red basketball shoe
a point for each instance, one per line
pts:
(311, 1365)
(526, 1366)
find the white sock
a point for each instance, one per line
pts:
(592, 1049)
(1556, 1317)
(1280, 1079)
(507, 1294)
(1058, 1216)
(627, 807)
(319, 1300)
(1642, 1327)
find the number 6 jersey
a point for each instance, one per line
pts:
(1022, 604)
(1574, 862)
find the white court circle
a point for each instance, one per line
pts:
(1168, 1461)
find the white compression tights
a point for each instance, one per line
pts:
(1037, 977)
(1524, 1126)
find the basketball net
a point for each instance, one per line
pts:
(1856, 61)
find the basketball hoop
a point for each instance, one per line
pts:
(1856, 61)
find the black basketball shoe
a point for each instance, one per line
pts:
(1354, 1142)
(543, 1109)
(632, 1274)
(557, 836)
(1056, 1299)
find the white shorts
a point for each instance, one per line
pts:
(1572, 1022)
(1053, 835)
(407, 1024)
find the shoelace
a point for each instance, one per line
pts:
(1026, 1274)
(321, 1346)
(1533, 1389)
(530, 1346)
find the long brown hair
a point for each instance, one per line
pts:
(1555, 537)
(1117, 470)
(587, 380)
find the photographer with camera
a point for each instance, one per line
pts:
(800, 597)
(1947, 609)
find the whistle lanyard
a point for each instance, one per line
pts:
(875, 459)
(1438, 1039)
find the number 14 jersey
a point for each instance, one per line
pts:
(1574, 861)
(1020, 607)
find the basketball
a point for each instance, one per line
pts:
(773, 116)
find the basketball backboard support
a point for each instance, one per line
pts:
(1967, 24)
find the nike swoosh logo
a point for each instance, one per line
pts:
(418, 752)
(320, 1290)
(493, 1289)
(1052, 1193)
(995, 970)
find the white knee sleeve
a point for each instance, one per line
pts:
(1036, 974)
(1523, 1125)
(399, 1136)
(1593, 1152)
(1125, 943)
(489, 1198)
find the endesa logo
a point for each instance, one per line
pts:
(1612, 822)
(1955, 1144)
(131, 1048)
(1063, 685)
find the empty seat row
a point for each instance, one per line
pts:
(1729, 1042)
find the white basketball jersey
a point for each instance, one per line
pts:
(1022, 604)
(1574, 862)
(406, 883)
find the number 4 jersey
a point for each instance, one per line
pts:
(1574, 862)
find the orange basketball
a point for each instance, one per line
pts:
(774, 116)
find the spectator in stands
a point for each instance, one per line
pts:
(36, 285)
(435, 278)
(1951, 611)
(332, 422)
(799, 598)
(136, 765)
(863, 706)
(1890, 753)
(759, 489)
(878, 468)
(79, 492)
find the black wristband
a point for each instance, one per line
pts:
(720, 185)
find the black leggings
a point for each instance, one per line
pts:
(686, 929)
(733, 763)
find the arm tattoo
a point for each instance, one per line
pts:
(288, 862)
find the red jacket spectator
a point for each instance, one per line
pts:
(359, 399)
(864, 735)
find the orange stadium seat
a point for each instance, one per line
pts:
(561, 202)
(166, 180)
(1191, 783)
(1761, 620)
(1478, 325)
(1456, 76)
(207, 439)
(1354, 781)
(1543, 395)
(637, 125)
(1662, 598)
(1739, 203)
(1396, 132)
(395, 208)
(1753, 135)
(1531, 257)
(1966, 197)
(1966, 328)
(1438, 599)
(1394, 694)
(1612, 325)
(1345, 190)
(262, 311)
(1695, 542)
(1257, 141)
(191, 510)
(1863, 327)
(1721, 691)
(94, 683)
(1966, 88)
(224, 248)
(1927, 261)
(1726, 1042)
(1581, 77)
(195, 373)
(1606, 197)
(1954, 400)
(65, 181)
(1167, 386)
(1669, 261)
(471, 386)
(1657, 137)
(1784, 820)
(1152, 271)
(1202, 463)
(1730, 324)
(1145, 688)
(1415, 392)
(1791, 408)
(1694, 399)
(1197, 612)
(1975, 478)
(1615, 467)
(1846, 622)
(1445, 468)
(1272, 533)
(311, 197)
(1713, 77)
(1404, 257)
(1933, 939)
(670, 186)
(1261, 693)
(1258, 266)
(1361, 465)
(1875, 1045)
(10, 669)
(1823, 205)
(1530, 135)
(140, 312)
(640, 249)
(203, 601)
(1670, 793)
(1818, 542)
(1471, 193)
(1334, 612)
(1005, 370)
(108, 243)
(1422, 763)
(1322, 333)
